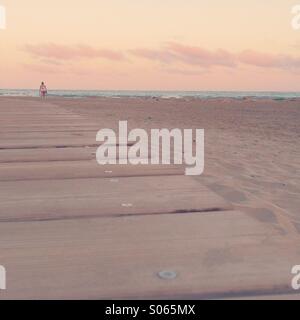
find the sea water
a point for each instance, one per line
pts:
(154, 94)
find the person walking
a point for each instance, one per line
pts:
(43, 90)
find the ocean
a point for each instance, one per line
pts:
(154, 94)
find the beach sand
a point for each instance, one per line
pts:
(252, 162)
(252, 148)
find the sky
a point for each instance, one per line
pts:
(150, 45)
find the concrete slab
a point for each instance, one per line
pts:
(80, 169)
(12, 136)
(208, 253)
(48, 143)
(46, 154)
(82, 198)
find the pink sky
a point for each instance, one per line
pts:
(155, 45)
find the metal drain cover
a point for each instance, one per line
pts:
(167, 275)
(126, 205)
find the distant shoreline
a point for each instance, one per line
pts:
(239, 95)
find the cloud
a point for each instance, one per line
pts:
(173, 52)
(51, 62)
(173, 56)
(191, 55)
(266, 60)
(152, 54)
(199, 56)
(185, 72)
(65, 52)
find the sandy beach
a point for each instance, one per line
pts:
(252, 148)
(70, 228)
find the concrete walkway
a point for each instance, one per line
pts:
(70, 228)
